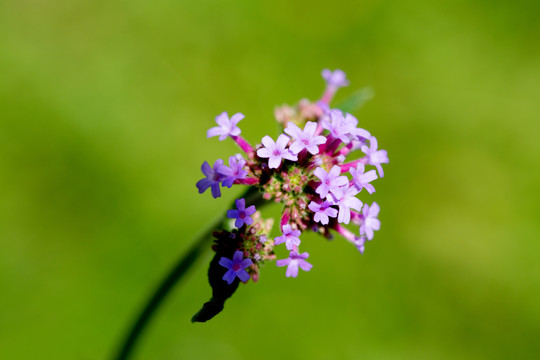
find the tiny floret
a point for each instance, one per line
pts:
(290, 237)
(236, 267)
(362, 180)
(234, 171)
(276, 151)
(322, 211)
(212, 180)
(370, 221)
(293, 262)
(346, 200)
(305, 139)
(375, 157)
(227, 127)
(330, 181)
(336, 78)
(242, 215)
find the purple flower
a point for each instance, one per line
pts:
(213, 178)
(242, 215)
(234, 171)
(375, 157)
(236, 267)
(290, 237)
(360, 244)
(305, 139)
(370, 220)
(322, 211)
(330, 181)
(351, 122)
(227, 127)
(336, 78)
(362, 180)
(294, 261)
(338, 127)
(346, 200)
(276, 151)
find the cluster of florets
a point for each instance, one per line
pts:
(306, 170)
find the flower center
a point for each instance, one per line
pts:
(276, 152)
(236, 267)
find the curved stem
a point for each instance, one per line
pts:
(174, 276)
(200, 245)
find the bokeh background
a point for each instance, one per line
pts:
(104, 107)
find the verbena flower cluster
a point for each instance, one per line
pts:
(306, 169)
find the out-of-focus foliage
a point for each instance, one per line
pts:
(104, 107)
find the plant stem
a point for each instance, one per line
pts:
(200, 245)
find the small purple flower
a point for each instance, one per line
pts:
(375, 157)
(294, 261)
(360, 244)
(371, 222)
(346, 200)
(336, 78)
(213, 178)
(234, 171)
(227, 127)
(322, 211)
(275, 151)
(290, 237)
(362, 180)
(242, 215)
(305, 139)
(236, 267)
(338, 127)
(360, 134)
(331, 181)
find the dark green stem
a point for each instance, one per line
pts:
(200, 245)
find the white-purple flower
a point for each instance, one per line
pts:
(236, 267)
(212, 180)
(346, 200)
(322, 211)
(330, 181)
(338, 127)
(336, 78)
(242, 215)
(276, 151)
(293, 262)
(227, 127)
(375, 157)
(370, 221)
(234, 171)
(362, 180)
(290, 237)
(304, 139)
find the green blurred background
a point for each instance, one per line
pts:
(104, 107)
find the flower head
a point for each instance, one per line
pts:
(212, 180)
(375, 157)
(236, 267)
(330, 181)
(305, 139)
(293, 262)
(227, 127)
(275, 151)
(370, 221)
(290, 237)
(242, 215)
(234, 171)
